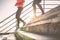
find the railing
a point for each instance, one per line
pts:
(14, 13)
(13, 19)
(1, 27)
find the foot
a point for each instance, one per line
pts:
(17, 27)
(34, 16)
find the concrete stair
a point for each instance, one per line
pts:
(48, 23)
(44, 27)
(55, 12)
(32, 36)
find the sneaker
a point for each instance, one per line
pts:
(17, 27)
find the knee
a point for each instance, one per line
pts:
(17, 17)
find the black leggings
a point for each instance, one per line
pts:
(18, 13)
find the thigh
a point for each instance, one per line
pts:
(19, 11)
(37, 1)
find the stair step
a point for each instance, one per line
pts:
(54, 20)
(36, 36)
(49, 15)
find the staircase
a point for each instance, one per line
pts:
(36, 29)
(44, 27)
(47, 23)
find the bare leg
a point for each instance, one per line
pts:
(40, 8)
(22, 21)
(34, 9)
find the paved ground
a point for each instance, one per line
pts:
(7, 37)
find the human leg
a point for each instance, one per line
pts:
(34, 8)
(40, 7)
(17, 17)
(20, 18)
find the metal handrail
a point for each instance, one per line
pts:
(14, 13)
(14, 22)
(7, 26)
(23, 16)
(7, 22)
(14, 18)
(14, 26)
(26, 6)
